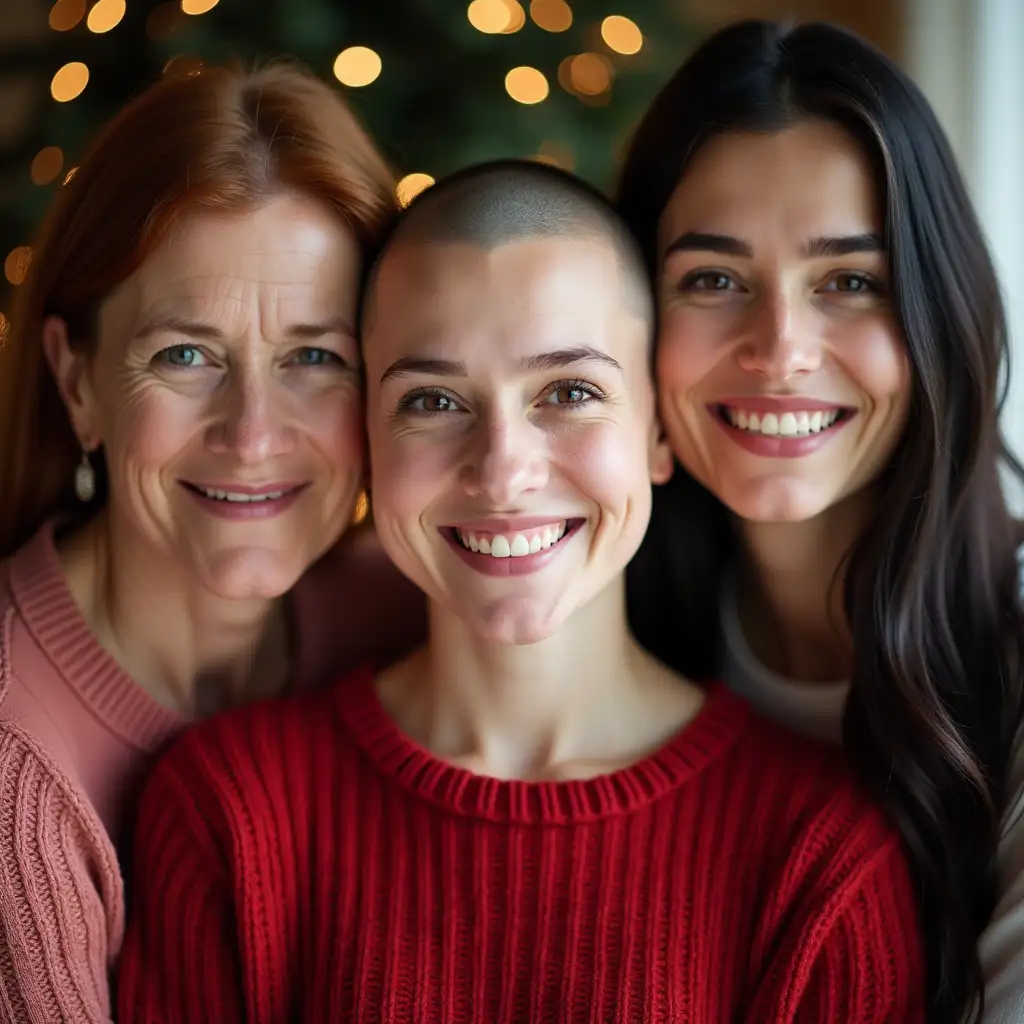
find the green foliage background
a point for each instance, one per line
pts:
(439, 103)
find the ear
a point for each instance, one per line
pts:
(661, 460)
(71, 372)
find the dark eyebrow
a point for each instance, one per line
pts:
(545, 361)
(335, 325)
(567, 356)
(816, 248)
(702, 241)
(417, 364)
(179, 325)
(842, 245)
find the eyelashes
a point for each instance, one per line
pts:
(435, 401)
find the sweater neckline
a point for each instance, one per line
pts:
(49, 612)
(713, 731)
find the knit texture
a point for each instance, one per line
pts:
(78, 737)
(303, 860)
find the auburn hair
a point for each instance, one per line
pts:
(223, 140)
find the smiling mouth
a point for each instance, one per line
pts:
(516, 544)
(242, 497)
(798, 423)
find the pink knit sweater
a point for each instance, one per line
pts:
(77, 738)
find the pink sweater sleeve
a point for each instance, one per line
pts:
(61, 904)
(181, 962)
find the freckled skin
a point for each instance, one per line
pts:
(778, 322)
(251, 402)
(573, 441)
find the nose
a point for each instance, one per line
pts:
(783, 341)
(506, 460)
(253, 423)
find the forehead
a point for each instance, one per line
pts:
(525, 294)
(292, 247)
(810, 179)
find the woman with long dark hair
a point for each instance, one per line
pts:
(830, 365)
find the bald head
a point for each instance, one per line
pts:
(505, 201)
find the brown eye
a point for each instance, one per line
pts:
(571, 396)
(429, 403)
(853, 284)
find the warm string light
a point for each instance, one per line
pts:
(357, 66)
(526, 85)
(46, 165)
(411, 186)
(105, 15)
(551, 15)
(69, 82)
(621, 34)
(196, 7)
(496, 17)
(66, 14)
(16, 264)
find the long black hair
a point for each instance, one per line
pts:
(931, 587)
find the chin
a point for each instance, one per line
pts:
(250, 575)
(776, 502)
(514, 623)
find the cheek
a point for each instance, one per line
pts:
(689, 348)
(409, 473)
(148, 427)
(606, 462)
(875, 358)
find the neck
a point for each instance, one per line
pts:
(585, 700)
(190, 649)
(790, 591)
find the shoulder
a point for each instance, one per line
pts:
(252, 760)
(809, 802)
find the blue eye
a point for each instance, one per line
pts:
(181, 356)
(316, 357)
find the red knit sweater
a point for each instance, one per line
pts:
(303, 860)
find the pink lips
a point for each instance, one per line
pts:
(265, 508)
(776, 446)
(521, 565)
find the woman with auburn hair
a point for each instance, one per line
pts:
(181, 439)
(836, 543)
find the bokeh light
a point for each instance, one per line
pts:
(621, 35)
(198, 6)
(411, 186)
(66, 14)
(551, 15)
(590, 74)
(16, 264)
(526, 85)
(69, 81)
(105, 15)
(46, 165)
(357, 66)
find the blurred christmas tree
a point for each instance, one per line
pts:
(440, 83)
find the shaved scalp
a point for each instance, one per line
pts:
(492, 204)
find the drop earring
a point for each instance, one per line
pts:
(85, 479)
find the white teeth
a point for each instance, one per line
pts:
(517, 544)
(239, 496)
(789, 424)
